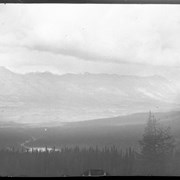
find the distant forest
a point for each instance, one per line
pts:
(156, 157)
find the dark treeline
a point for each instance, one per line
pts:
(68, 161)
(74, 161)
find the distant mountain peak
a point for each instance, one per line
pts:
(2, 68)
(5, 70)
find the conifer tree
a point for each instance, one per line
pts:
(157, 145)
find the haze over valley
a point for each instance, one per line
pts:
(46, 97)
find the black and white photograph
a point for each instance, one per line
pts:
(89, 89)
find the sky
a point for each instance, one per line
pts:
(95, 38)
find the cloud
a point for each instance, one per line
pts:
(139, 34)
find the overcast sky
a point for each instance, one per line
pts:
(67, 38)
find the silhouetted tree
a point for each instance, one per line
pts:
(156, 147)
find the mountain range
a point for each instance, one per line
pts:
(47, 97)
